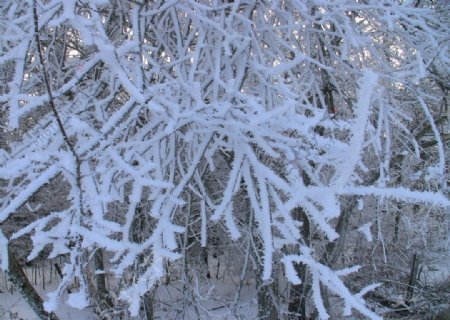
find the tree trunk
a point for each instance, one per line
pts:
(299, 292)
(266, 307)
(335, 248)
(267, 297)
(147, 302)
(20, 280)
(104, 302)
(298, 295)
(412, 276)
(140, 229)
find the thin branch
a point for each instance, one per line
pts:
(53, 106)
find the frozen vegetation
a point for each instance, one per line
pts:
(212, 159)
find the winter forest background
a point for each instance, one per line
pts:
(224, 159)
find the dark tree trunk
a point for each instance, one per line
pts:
(102, 295)
(299, 292)
(140, 230)
(334, 248)
(266, 305)
(267, 293)
(298, 295)
(20, 280)
(412, 276)
(147, 302)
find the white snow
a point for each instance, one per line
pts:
(78, 300)
(4, 259)
(365, 230)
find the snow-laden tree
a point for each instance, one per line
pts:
(133, 102)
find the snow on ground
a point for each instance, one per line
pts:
(14, 307)
(215, 299)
